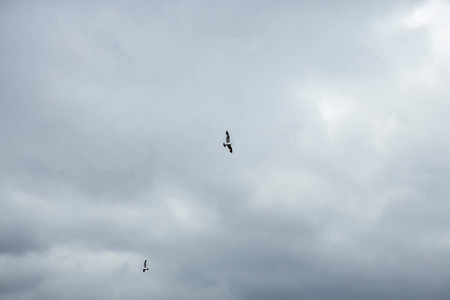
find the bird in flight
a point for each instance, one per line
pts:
(228, 144)
(145, 266)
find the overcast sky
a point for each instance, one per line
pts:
(112, 119)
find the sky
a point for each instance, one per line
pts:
(112, 119)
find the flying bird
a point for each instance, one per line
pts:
(145, 266)
(228, 144)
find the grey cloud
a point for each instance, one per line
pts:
(112, 118)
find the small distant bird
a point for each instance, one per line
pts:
(228, 144)
(145, 266)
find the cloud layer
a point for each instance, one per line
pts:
(112, 118)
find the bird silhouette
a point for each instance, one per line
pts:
(145, 266)
(227, 143)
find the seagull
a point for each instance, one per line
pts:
(145, 266)
(228, 144)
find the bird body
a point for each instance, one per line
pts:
(228, 143)
(145, 266)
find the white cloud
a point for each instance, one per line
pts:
(435, 71)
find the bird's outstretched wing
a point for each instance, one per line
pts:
(228, 137)
(145, 264)
(231, 149)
